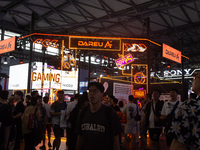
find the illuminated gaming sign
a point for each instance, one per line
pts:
(139, 93)
(124, 60)
(47, 42)
(171, 53)
(45, 76)
(139, 78)
(68, 61)
(134, 47)
(94, 43)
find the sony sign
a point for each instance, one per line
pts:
(173, 73)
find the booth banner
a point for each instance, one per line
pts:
(51, 78)
(8, 45)
(122, 91)
(171, 53)
(94, 43)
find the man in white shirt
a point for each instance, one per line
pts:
(70, 107)
(168, 106)
(131, 111)
(72, 104)
(152, 119)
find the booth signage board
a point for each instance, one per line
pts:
(124, 60)
(171, 53)
(94, 43)
(121, 91)
(139, 93)
(18, 77)
(8, 45)
(69, 80)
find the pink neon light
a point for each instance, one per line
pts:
(124, 60)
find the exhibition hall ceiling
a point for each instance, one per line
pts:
(169, 20)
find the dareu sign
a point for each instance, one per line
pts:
(171, 53)
(8, 45)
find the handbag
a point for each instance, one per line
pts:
(137, 116)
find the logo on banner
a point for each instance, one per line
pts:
(7, 45)
(171, 53)
(124, 60)
(134, 47)
(139, 78)
(93, 43)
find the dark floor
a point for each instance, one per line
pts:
(63, 146)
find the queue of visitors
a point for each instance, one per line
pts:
(96, 121)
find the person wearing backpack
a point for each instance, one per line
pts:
(55, 112)
(97, 126)
(29, 124)
(168, 112)
(152, 118)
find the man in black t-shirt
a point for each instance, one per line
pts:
(94, 130)
(19, 110)
(5, 121)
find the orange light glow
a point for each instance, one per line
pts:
(139, 78)
(168, 66)
(139, 93)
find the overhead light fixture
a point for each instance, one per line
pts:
(5, 62)
(98, 59)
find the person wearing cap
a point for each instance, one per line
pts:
(185, 127)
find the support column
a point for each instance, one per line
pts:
(2, 33)
(89, 61)
(148, 57)
(183, 94)
(30, 53)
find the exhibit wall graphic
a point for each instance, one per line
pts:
(52, 78)
(121, 90)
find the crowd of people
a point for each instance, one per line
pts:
(94, 120)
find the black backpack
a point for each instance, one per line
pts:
(169, 117)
